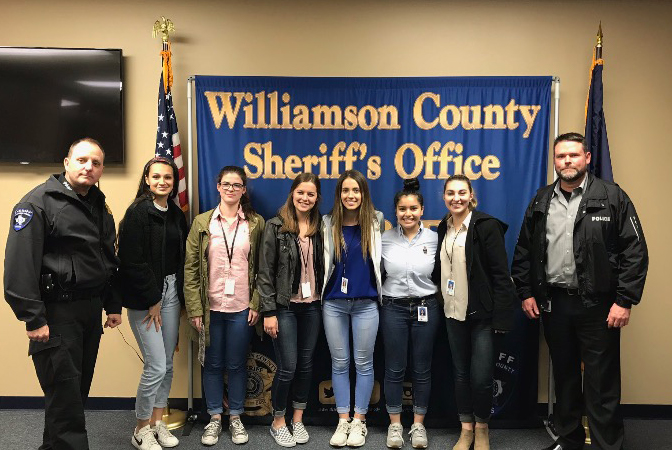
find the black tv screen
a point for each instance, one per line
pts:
(50, 97)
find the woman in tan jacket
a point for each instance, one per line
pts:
(221, 297)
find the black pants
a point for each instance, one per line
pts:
(472, 348)
(64, 367)
(298, 329)
(578, 334)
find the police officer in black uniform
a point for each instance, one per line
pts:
(581, 262)
(59, 261)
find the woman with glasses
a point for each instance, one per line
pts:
(472, 272)
(222, 299)
(410, 314)
(351, 234)
(291, 271)
(152, 236)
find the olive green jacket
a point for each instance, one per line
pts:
(196, 269)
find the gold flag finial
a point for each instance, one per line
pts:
(163, 26)
(599, 35)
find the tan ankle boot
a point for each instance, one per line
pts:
(465, 441)
(482, 439)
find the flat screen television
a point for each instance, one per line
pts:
(50, 97)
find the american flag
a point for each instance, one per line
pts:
(168, 141)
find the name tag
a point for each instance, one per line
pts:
(344, 285)
(305, 289)
(423, 314)
(229, 286)
(450, 287)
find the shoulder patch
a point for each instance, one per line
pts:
(22, 217)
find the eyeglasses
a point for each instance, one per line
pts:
(226, 186)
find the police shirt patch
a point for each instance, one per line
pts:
(22, 217)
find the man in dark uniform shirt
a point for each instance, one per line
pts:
(59, 261)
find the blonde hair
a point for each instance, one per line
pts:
(366, 214)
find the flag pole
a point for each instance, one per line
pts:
(172, 418)
(598, 45)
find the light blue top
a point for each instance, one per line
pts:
(409, 265)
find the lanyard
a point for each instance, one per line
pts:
(226, 242)
(305, 258)
(452, 248)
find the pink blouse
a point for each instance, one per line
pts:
(219, 268)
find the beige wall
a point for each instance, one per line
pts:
(375, 38)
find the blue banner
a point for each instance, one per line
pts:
(495, 130)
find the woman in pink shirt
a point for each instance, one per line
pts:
(221, 297)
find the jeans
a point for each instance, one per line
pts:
(298, 330)
(471, 344)
(229, 341)
(399, 324)
(157, 349)
(338, 313)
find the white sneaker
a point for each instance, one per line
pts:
(164, 437)
(283, 437)
(395, 437)
(418, 435)
(300, 433)
(211, 433)
(238, 433)
(340, 437)
(357, 435)
(144, 439)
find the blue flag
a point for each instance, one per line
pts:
(596, 127)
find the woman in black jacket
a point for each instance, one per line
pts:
(291, 272)
(471, 270)
(152, 239)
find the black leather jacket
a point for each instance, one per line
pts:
(609, 247)
(280, 266)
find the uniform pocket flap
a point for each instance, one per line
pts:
(36, 347)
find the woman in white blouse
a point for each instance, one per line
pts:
(472, 272)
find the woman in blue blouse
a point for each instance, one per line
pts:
(410, 315)
(352, 287)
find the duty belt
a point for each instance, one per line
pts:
(565, 290)
(81, 294)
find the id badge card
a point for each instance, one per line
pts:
(423, 314)
(344, 285)
(229, 286)
(305, 289)
(450, 287)
(548, 306)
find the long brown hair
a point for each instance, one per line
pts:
(366, 212)
(287, 212)
(245, 203)
(143, 188)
